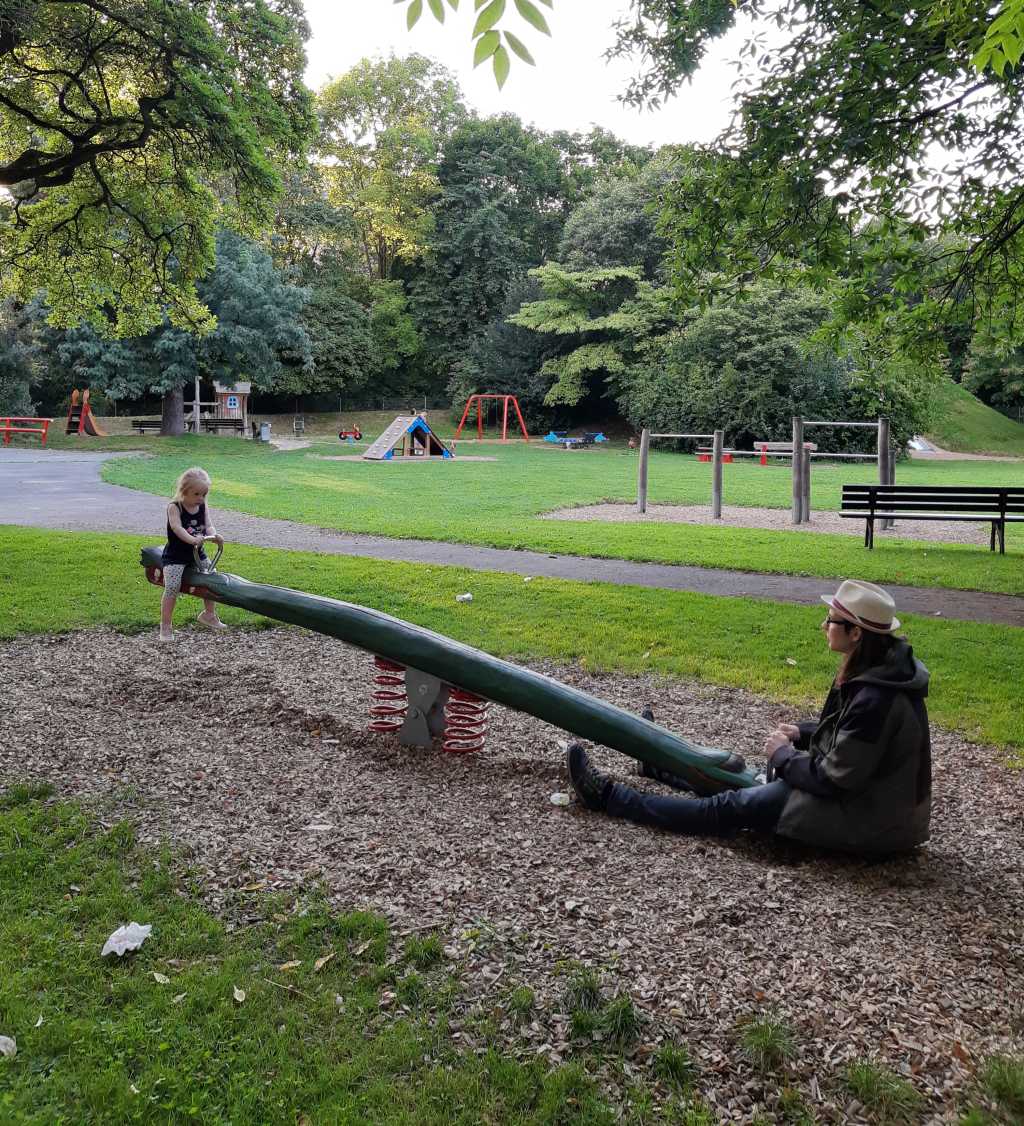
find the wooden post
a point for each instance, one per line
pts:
(716, 474)
(504, 422)
(805, 505)
(798, 463)
(641, 480)
(884, 457)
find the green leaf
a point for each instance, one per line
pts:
(438, 9)
(486, 45)
(489, 17)
(502, 65)
(454, 5)
(414, 13)
(519, 47)
(532, 14)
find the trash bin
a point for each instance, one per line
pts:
(264, 431)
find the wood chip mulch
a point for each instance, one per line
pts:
(249, 752)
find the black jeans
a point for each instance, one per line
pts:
(757, 807)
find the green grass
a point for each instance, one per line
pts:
(767, 1041)
(498, 504)
(106, 1041)
(968, 425)
(887, 1097)
(52, 581)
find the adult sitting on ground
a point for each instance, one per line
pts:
(858, 779)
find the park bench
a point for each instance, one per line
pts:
(16, 424)
(993, 504)
(216, 425)
(144, 424)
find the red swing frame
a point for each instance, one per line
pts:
(506, 399)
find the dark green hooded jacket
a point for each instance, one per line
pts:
(864, 784)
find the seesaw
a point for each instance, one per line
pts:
(431, 686)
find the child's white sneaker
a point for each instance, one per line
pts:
(166, 634)
(211, 621)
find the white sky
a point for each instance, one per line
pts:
(571, 87)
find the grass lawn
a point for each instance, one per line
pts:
(203, 1024)
(965, 423)
(49, 581)
(497, 503)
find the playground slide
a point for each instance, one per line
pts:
(707, 769)
(89, 424)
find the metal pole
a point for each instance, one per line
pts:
(806, 481)
(798, 489)
(716, 474)
(195, 409)
(884, 454)
(641, 480)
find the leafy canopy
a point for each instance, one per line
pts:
(129, 129)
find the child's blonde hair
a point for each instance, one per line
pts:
(193, 476)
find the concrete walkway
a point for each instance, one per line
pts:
(50, 489)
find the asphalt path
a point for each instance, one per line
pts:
(54, 489)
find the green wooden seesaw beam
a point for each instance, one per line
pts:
(708, 770)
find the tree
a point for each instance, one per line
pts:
(129, 129)
(606, 318)
(258, 337)
(616, 224)
(17, 359)
(498, 213)
(747, 366)
(382, 126)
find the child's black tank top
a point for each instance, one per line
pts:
(176, 550)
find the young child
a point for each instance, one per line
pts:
(188, 525)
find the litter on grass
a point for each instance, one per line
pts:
(125, 938)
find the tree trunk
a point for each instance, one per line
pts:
(172, 417)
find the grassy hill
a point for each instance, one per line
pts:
(966, 424)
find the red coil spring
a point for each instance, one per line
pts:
(465, 722)
(390, 702)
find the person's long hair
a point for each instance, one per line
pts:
(191, 477)
(870, 652)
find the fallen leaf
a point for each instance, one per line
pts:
(179, 998)
(284, 967)
(161, 979)
(319, 964)
(239, 994)
(39, 1022)
(790, 661)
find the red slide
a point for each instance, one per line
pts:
(81, 419)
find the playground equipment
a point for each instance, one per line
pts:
(429, 685)
(414, 435)
(353, 435)
(19, 424)
(505, 400)
(561, 438)
(80, 416)
(717, 457)
(883, 456)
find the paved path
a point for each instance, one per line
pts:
(47, 489)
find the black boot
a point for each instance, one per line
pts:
(591, 786)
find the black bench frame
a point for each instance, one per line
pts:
(991, 504)
(210, 424)
(144, 424)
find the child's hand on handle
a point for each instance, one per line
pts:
(217, 538)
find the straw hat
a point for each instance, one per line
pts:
(864, 604)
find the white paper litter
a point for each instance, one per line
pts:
(125, 938)
(467, 597)
(8, 1047)
(559, 799)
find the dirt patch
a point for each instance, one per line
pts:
(249, 752)
(775, 519)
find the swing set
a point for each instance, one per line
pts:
(481, 410)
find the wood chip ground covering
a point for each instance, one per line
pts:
(249, 752)
(777, 519)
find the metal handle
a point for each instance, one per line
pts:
(208, 565)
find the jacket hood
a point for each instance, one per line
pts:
(901, 671)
